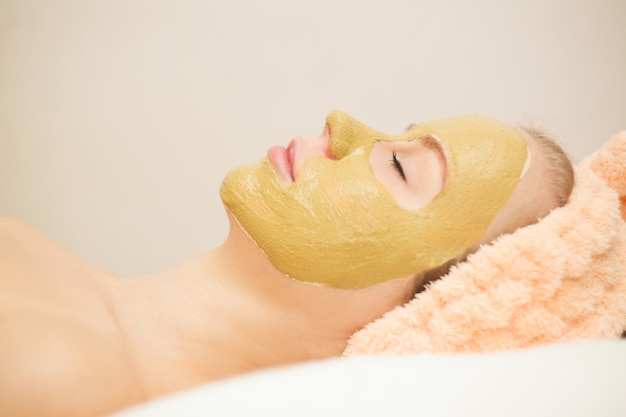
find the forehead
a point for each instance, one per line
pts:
(348, 132)
(472, 128)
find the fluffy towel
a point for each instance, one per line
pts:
(561, 279)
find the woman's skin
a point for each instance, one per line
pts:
(78, 340)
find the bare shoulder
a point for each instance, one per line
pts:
(17, 239)
(15, 234)
(60, 351)
(6, 221)
(54, 367)
(36, 267)
(10, 226)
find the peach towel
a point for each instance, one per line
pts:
(561, 279)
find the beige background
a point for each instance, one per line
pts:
(118, 119)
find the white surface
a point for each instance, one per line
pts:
(118, 119)
(581, 379)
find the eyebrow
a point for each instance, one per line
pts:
(433, 143)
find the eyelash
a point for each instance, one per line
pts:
(397, 165)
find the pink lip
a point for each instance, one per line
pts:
(281, 159)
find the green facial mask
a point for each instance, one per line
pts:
(337, 226)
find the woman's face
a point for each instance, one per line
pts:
(355, 207)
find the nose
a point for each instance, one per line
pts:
(349, 134)
(301, 149)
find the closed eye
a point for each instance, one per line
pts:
(397, 165)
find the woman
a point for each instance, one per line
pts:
(325, 236)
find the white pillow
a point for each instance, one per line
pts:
(585, 378)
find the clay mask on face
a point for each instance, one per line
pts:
(337, 226)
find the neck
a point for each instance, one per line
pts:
(230, 311)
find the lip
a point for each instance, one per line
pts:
(281, 160)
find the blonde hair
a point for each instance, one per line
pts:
(561, 174)
(557, 162)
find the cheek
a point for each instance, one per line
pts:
(340, 193)
(337, 216)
